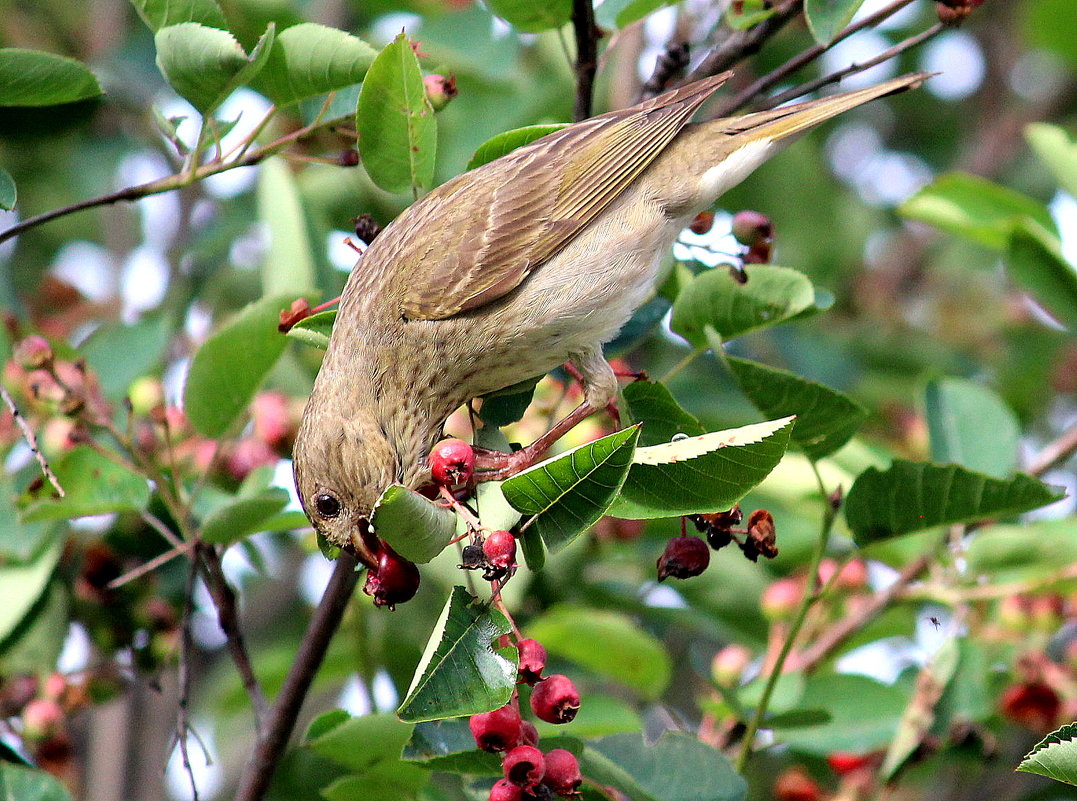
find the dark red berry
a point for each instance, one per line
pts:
(702, 222)
(844, 762)
(532, 660)
(393, 580)
(499, 730)
(500, 549)
(348, 158)
(683, 558)
(528, 733)
(524, 765)
(555, 699)
(452, 462)
(366, 227)
(761, 540)
(1034, 705)
(504, 790)
(752, 228)
(562, 772)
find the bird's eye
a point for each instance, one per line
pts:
(327, 505)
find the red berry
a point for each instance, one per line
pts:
(504, 790)
(1034, 705)
(794, 784)
(843, 762)
(33, 353)
(499, 730)
(532, 660)
(702, 222)
(752, 228)
(394, 579)
(528, 733)
(555, 699)
(348, 157)
(562, 772)
(452, 462)
(524, 765)
(683, 558)
(500, 549)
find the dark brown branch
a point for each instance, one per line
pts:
(183, 720)
(741, 44)
(259, 769)
(583, 25)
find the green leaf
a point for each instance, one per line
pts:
(94, 485)
(308, 60)
(20, 783)
(34, 78)
(119, 353)
(315, 330)
(8, 191)
(36, 642)
(912, 496)
(460, 673)
(159, 14)
(205, 65)
(359, 742)
(396, 780)
(1034, 261)
(772, 295)
(971, 426)
(974, 208)
(288, 267)
(396, 124)
(678, 767)
(23, 585)
(701, 474)
(509, 404)
(416, 527)
(622, 13)
(327, 721)
(1048, 25)
(828, 18)
(244, 516)
(568, 493)
(660, 417)
(629, 654)
(449, 745)
(1053, 146)
(1032, 550)
(230, 366)
(531, 17)
(826, 418)
(504, 143)
(1055, 756)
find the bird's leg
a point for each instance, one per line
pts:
(600, 388)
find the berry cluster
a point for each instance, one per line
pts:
(528, 772)
(686, 556)
(751, 229)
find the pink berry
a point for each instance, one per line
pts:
(504, 790)
(683, 558)
(394, 579)
(452, 462)
(555, 699)
(532, 660)
(524, 765)
(562, 772)
(752, 228)
(41, 718)
(33, 352)
(440, 90)
(500, 549)
(781, 598)
(499, 730)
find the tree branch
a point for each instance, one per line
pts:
(740, 44)
(258, 772)
(583, 25)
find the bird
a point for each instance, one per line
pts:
(509, 270)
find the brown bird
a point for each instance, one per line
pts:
(506, 272)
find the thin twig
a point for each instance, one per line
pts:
(258, 772)
(153, 564)
(183, 722)
(741, 44)
(31, 440)
(1055, 453)
(583, 25)
(158, 525)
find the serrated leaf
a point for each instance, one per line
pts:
(828, 18)
(243, 516)
(8, 191)
(971, 426)
(1035, 263)
(416, 528)
(396, 124)
(205, 65)
(449, 745)
(356, 743)
(531, 17)
(826, 418)
(1053, 146)
(460, 673)
(36, 78)
(22, 586)
(230, 366)
(315, 330)
(1055, 756)
(159, 14)
(308, 60)
(713, 298)
(912, 496)
(629, 654)
(94, 485)
(974, 208)
(504, 143)
(701, 474)
(660, 417)
(288, 266)
(570, 492)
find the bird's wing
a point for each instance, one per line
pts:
(476, 237)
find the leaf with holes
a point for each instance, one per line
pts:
(416, 527)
